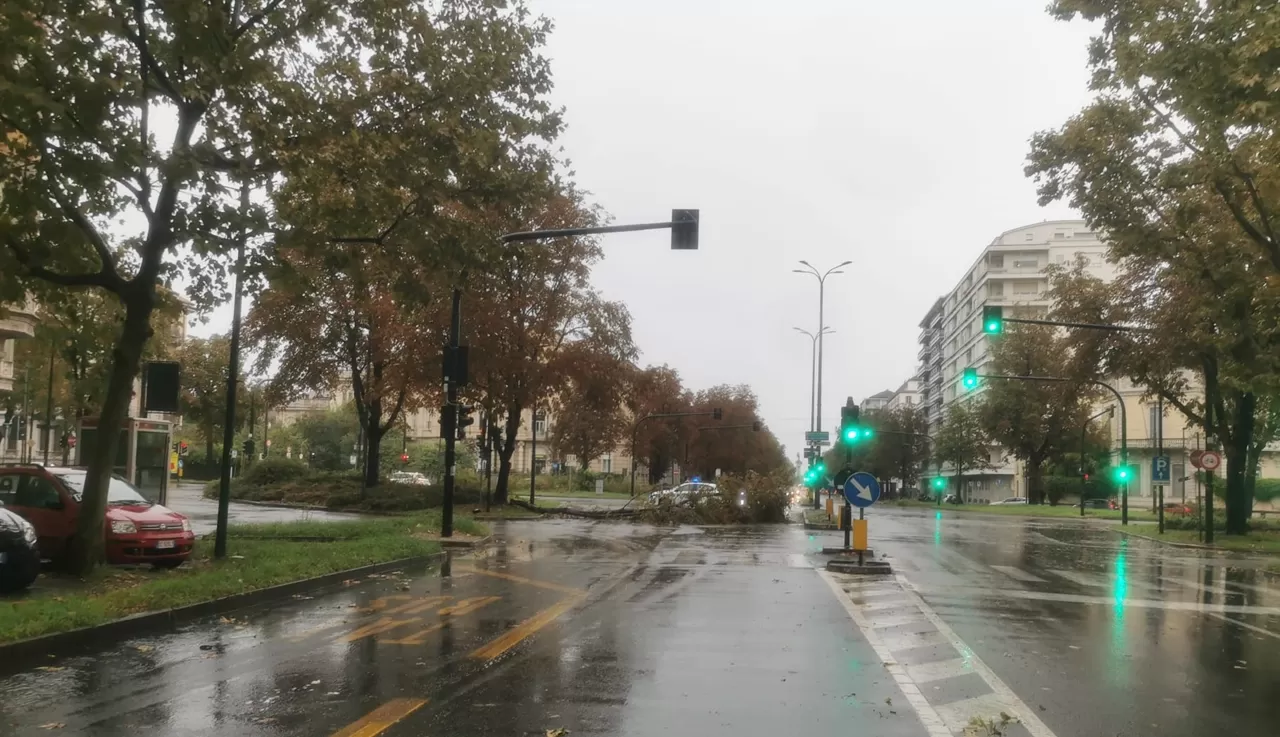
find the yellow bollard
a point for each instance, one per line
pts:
(859, 534)
(830, 507)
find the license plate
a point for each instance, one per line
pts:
(164, 544)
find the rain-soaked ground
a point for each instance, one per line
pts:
(619, 629)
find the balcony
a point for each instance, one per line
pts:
(18, 321)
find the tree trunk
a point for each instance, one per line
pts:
(1035, 482)
(87, 546)
(505, 451)
(208, 446)
(372, 444)
(1237, 452)
(1251, 476)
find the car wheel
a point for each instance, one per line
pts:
(168, 563)
(20, 572)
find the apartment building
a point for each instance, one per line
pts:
(907, 395)
(1010, 272)
(875, 402)
(17, 322)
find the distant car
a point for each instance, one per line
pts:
(409, 477)
(953, 499)
(138, 531)
(685, 493)
(1096, 504)
(1010, 501)
(1178, 509)
(19, 553)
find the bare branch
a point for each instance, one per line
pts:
(98, 279)
(1271, 248)
(255, 19)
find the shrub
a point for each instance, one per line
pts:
(1266, 490)
(274, 471)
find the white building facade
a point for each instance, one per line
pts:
(1010, 272)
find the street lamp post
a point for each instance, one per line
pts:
(822, 282)
(813, 369)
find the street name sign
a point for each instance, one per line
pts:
(862, 489)
(822, 437)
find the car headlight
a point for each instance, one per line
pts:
(29, 534)
(123, 527)
(186, 525)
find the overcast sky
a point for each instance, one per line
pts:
(892, 134)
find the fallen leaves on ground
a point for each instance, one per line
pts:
(53, 725)
(557, 732)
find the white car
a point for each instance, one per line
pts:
(684, 493)
(1011, 500)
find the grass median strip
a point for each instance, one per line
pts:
(1263, 541)
(1029, 510)
(259, 556)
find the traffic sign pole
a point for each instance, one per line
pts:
(1159, 488)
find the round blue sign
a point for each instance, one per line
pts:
(862, 489)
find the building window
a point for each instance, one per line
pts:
(1030, 237)
(995, 289)
(1026, 287)
(1059, 235)
(540, 423)
(995, 260)
(606, 463)
(1026, 264)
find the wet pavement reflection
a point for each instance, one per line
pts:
(605, 628)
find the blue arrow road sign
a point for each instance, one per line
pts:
(1160, 470)
(862, 489)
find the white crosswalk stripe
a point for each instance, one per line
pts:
(938, 670)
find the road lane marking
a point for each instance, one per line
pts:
(1085, 579)
(385, 624)
(940, 594)
(938, 670)
(549, 585)
(1019, 574)
(1246, 625)
(933, 723)
(958, 714)
(380, 719)
(897, 603)
(514, 636)
(897, 620)
(1002, 691)
(911, 640)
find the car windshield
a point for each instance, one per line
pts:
(118, 492)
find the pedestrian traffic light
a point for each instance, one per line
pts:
(992, 319)
(969, 379)
(464, 420)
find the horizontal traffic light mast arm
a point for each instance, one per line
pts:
(1082, 325)
(749, 425)
(924, 435)
(537, 235)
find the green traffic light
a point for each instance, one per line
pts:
(992, 327)
(851, 434)
(939, 482)
(1122, 473)
(867, 433)
(992, 319)
(969, 379)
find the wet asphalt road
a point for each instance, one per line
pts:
(618, 629)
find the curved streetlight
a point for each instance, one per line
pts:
(821, 276)
(813, 367)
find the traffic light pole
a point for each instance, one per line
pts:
(451, 407)
(1124, 433)
(233, 372)
(1084, 429)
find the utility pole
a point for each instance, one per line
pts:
(533, 450)
(452, 378)
(1208, 475)
(1159, 488)
(48, 409)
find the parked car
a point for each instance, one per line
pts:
(1010, 501)
(409, 477)
(953, 499)
(19, 553)
(1097, 504)
(138, 531)
(1178, 509)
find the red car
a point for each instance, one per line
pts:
(138, 531)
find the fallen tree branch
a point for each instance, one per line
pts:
(571, 512)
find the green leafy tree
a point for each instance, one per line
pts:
(1176, 160)
(329, 438)
(962, 442)
(729, 444)
(590, 417)
(204, 363)
(1037, 421)
(81, 86)
(654, 390)
(901, 448)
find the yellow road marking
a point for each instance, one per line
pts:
(466, 606)
(526, 628)
(530, 581)
(417, 638)
(385, 624)
(378, 720)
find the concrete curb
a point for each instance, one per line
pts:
(316, 508)
(812, 526)
(148, 623)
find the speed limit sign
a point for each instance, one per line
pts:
(1210, 460)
